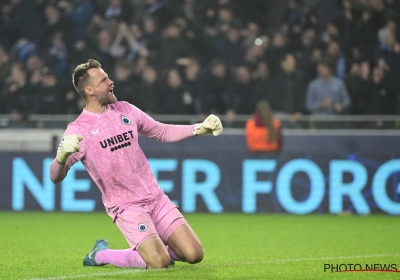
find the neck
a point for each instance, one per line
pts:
(96, 108)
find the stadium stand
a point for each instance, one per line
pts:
(192, 57)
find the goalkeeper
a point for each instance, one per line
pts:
(104, 138)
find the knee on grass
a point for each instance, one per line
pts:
(160, 261)
(194, 255)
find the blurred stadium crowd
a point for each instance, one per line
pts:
(204, 56)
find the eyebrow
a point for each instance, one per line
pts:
(102, 80)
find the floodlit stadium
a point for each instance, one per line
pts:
(199, 139)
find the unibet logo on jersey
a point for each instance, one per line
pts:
(118, 141)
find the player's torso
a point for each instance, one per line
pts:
(114, 134)
(113, 158)
(109, 138)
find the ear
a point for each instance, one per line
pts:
(89, 90)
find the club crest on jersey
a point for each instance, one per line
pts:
(142, 227)
(125, 120)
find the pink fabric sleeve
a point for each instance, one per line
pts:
(167, 133)
(57, 171)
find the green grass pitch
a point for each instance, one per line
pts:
(237, 246)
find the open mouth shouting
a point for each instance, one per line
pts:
(111, 92)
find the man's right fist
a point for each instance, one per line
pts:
(69, 144)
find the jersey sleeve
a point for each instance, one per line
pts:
(166, 133)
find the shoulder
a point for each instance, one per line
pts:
(73, 128)
(84, 122)
(337, 81)
(315, 82)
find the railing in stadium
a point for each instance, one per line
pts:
(288, 121)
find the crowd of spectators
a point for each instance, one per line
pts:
(204, 56)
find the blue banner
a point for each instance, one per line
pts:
(222, 181)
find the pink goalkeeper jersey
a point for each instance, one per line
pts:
(111, 154)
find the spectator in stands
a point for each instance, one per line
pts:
(296, 12)
(151, 36)
(388, 49)
(19, 19)
(126, 44)
(56, 54)
(254, 55)
(326, 94)
(330, 34)
(5, 66)
(8, 34)
(263, 131)
(208, 30)
(80, 12)
(81, 52)
(233, 52)
(187, 32)
(34, 66)
(381, 92)
(216, 88)
(327, 12)
(190, 10)
(139, 66)
(157, 9)
(243, 92)
(22, 49)
(118, 9)
(296, 18)
(125, 86)
(56, 23)
(176, 99)
(308, 55)
(338, 60)
(287, 88)
(191, 81)
(262, 81)
(75, 30)
(51, 96)
(251, 33)
(173, 46)
(16, 95)
(377, 18)
(150, 91)
(357, 83)
(226, 19)
(103, 49)
(96, 25)
(136, 31)
(278, 48)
